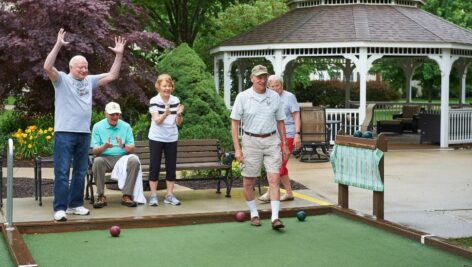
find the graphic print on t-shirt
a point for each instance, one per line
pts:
(81, 88)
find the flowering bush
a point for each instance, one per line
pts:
(33, 141)
(236, 170)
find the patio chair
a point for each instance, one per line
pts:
(405, 121)
(409, 117)
(314, 135)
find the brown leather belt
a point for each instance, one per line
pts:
(260, 135)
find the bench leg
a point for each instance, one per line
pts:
(36, 180)
(218, 183)
(229, 184)
(90, 187)
(40, 183)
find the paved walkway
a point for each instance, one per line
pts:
(428, 190)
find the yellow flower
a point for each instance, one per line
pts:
(50, 129)
(40, 131)
(24, 135)
(31, 137)
(48, 137)
(28, 131)
(30, 146)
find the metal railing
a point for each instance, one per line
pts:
(9, 223)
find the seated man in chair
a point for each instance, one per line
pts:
(112, 142)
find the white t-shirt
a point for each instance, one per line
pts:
(166, 131)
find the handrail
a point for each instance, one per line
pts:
(9, 223)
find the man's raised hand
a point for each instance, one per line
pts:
(60, 37)
(119, 45)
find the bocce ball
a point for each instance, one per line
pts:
(367, 134)
(357, 134)
(115, 231)
(240, 216)
(301, 215)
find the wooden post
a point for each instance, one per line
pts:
(343, 196)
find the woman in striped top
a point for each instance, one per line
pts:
(166, 112)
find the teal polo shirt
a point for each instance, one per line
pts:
(102, 130)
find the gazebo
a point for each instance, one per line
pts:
(355, 33)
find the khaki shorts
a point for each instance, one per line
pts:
(257, 150)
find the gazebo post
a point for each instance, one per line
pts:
(279, 62)
(461, 67)
(445, 61)
(241, 68)
(227, 63)
(363, 64)
(216, 74)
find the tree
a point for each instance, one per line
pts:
(28, 31)
(236, 19)
(205, 114)
(458, 12)
(181, 20)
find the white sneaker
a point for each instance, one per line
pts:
(60, 216)
(171, 199)
(78, 211)
(153, 201)
(265, 197)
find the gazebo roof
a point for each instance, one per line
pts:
(354, 23)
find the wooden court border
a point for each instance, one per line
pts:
(21, 255)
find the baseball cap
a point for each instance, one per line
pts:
(259, 70)
(112, 108)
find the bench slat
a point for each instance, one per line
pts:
(190, 142)
(181, 148)
(146, 161)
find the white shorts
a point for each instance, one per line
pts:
(257, 150)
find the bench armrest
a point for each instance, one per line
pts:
(228, 158)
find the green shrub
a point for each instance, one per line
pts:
(205, 114)
(141, 127)
(332, 93)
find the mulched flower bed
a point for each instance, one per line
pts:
(24, 187)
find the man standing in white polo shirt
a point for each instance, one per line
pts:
(262, 114)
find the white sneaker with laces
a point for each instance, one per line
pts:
(60, 216)
(78, 211)
(171, 199)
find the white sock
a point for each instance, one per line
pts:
(252, 208)
(275, 206)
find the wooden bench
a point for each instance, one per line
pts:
(197, 154)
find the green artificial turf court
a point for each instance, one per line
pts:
(325, 240)
(5, 259)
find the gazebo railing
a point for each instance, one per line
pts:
(345, 118)
(460, 126)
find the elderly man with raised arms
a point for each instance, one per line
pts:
(72, 117)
